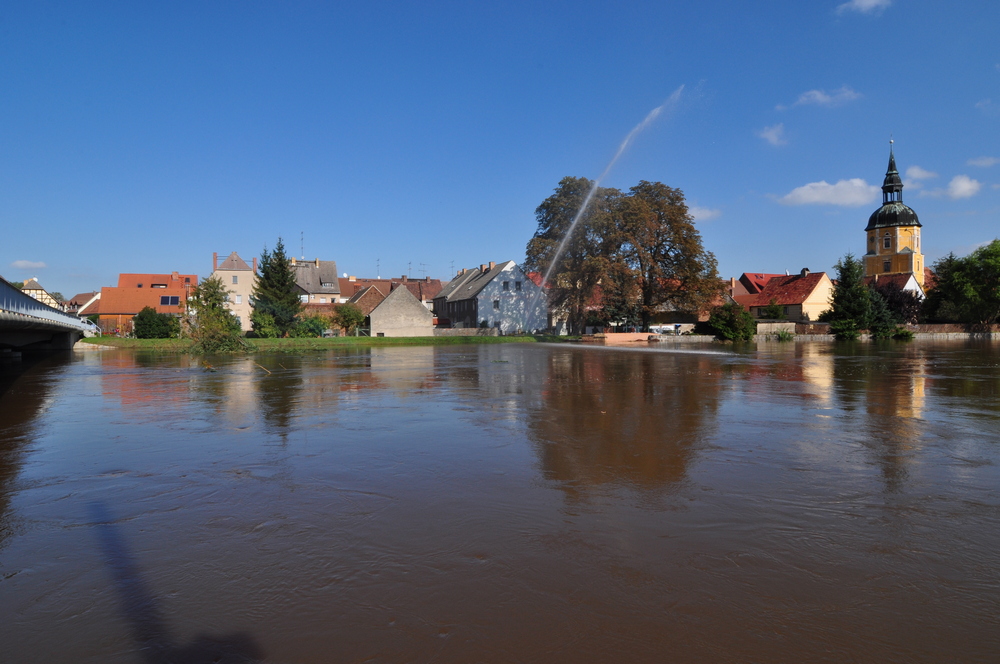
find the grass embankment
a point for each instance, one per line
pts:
(272, 345)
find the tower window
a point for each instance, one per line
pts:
(886, 266)
(887, 241)
(871, 239)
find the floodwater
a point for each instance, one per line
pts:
(503, 503)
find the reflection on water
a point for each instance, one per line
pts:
(623, 418)
(786, 503)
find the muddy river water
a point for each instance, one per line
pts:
(503, 503)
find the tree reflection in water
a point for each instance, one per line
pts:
(634, 419)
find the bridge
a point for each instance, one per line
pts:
(27, 324)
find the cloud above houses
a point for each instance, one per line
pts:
(864, 6)
(27, 265)
(775, 135)
(848, 193)
(984, 162)
(915, 174)
(838, 97)
(961, 186)
(988, 107)
(704, 214)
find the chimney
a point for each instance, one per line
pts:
(352, 278)
(492, 265)
(463, 271)
(403, 278)
(255, 265)
(293, 261)
(427, 280)
(805, 272)
(482, 267)
(215, 261)
(317, 263)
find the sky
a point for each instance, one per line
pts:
(419, 138)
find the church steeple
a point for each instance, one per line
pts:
(892, 186)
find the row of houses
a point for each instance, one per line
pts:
(499, 296)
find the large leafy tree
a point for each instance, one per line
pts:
(586, 252)
(276, 304)
(967, 288)
(655, 237)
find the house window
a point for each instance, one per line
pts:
(517, 285)
(169, 300)
(784, 310)
(506, 285)
(496, 305)
(236, 278)
(322, 300)
(887, 241)
(138, 285)
(157, 285)
(886, 266)
(239, 299)
(304, 298)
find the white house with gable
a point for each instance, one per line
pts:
(501, 295)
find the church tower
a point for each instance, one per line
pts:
(894, 232)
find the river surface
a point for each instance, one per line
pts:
(503, 503)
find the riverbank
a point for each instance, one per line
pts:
(298, 344)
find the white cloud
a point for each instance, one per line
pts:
(849, 193)
(28, 265)
(774, 135)
(962, 186)
(988, 107)
(917, 173)
(985, 162)
(864, 6)
(704, 214)
(837, 97)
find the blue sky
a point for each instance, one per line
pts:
(416, 136)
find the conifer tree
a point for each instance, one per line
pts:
(276, 304)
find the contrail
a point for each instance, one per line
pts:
(670, 103)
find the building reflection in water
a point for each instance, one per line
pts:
(623, 418)
(889, 388)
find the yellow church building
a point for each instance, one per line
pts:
(894, 232)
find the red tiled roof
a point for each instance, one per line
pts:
(747, 300)
(130, 301)
(424, 290)
(131, 280)
(755, 282)
(787, 290)
(883, 279)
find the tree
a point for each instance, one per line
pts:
(656, 238)
(349, 317)
(275, 301)
(619, 299)
(731, 322)
(148, 324)
(773, 310)
(851, 303)
(905, 305)
(968, 288)
(211, 325)
(585, 257)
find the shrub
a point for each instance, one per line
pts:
(210, 324)
(148, 324)
(349, 317)
(309, 326)
(263, 325)
(845, 329)
(902, 334)
(784, 335)
(731, 322)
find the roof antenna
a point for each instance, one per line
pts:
(302, 244)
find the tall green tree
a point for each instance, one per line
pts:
(276, 304)
(586, 254)
(212, 326)
(851, 304)
(968, 288)
(655, 237)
